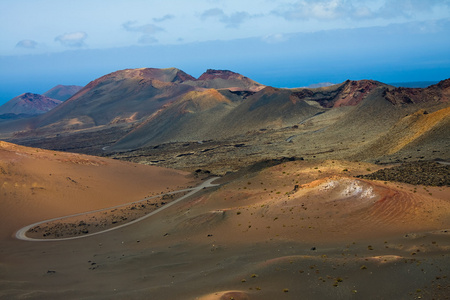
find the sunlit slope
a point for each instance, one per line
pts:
(38, 184)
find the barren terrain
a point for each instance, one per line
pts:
(340, 192)
(296, 228)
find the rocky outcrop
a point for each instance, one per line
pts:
(436, 93)
(349, 93)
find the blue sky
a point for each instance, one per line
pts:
(283, 43)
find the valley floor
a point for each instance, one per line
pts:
(298, 229)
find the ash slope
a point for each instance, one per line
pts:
(38, 184)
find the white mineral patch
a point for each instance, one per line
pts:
(349, 188)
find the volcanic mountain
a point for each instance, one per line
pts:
(125, 96)
(28, 104)
(62, 92)
(304, 206)
(225, 79)
(213, 114)
(141, 109)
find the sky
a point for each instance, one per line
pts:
(285, 43)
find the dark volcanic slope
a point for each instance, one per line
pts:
(436, 93)
(348, 93)
(212, 115)
(29, 104)
(62, 92)
(121, 96)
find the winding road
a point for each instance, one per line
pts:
(21, 233)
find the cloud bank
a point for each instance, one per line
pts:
(329, 10)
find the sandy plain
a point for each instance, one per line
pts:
(297, 230)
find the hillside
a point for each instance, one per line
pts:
(164, 116)
(62, 92)
(217, 115)
(40, 184)
(218, 187)
(225, 79)
(29, 104)
(290, 228)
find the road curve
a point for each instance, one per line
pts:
(21, 233)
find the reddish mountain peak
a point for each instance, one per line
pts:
(362, 82)
(439, 92)
(144, 76)
(29, 104)
(164, 75)
(181, 76)
(353, 92)
(223, 74)
(348, 93)
(444, 84)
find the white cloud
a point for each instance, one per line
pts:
(275, 38)
(164, 18)
(233, 20)
(145, 29)
(148, 31)
(28, 44)
(73, 39)
(213, 12)
(321, 10)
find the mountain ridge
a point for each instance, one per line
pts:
(135, 109)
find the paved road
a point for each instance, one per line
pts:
(21, 233)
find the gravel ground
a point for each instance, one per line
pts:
(417, 173)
